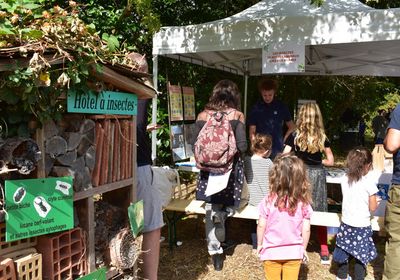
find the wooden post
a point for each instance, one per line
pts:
(134, 159)
(41, 172)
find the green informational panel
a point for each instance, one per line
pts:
(105, 102)
(99, 274)
(38, 207)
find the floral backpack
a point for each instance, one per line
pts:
(215, 147)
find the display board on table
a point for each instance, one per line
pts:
(182, 115)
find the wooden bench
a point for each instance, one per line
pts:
(181, 207)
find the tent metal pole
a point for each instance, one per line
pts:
(246, 80)
(154, 109)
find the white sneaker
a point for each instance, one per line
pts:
(325, 260)
(348, 278)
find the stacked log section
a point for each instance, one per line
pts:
(95, 151)
(70, 150)
(114, 150)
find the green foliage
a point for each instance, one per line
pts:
(105, 30)
(29, 30)
(317, 2)
(379, 4)
(382, 4)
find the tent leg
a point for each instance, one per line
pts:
(246, 81)
(154, 110)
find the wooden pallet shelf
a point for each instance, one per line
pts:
(123, 191)
(103, 189)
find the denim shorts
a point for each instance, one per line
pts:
(152, 207)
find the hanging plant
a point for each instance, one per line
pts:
(47, 52)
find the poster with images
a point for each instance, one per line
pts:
(189, 139)
(188, 103)
(38, 206)
(178, 143)
(176, 104)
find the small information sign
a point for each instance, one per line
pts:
(38, 206)
(283, 57)
(99, 274)
(105, 102)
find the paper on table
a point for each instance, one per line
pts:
(217, 182)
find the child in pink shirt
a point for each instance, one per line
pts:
(283, 227)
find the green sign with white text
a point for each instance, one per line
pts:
(99, 274)
(38, 206)
(105, 102)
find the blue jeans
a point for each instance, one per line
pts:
(213, 244)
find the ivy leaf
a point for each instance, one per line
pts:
(32, 34)
(23, 130)
(6, 31)
(6, 28)
(112, 41)
(15, 117)
(9, 97)
(30, 6)
(4, 6)
(91, 28)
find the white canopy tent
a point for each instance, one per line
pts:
(342, 37)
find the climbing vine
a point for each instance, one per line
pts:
(44, 52)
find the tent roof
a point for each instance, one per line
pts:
(342, 37)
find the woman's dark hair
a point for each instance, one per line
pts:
(358, 162)
(225, 95)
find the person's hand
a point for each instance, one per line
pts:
(305, 258)
(259, 248)
(153, 126)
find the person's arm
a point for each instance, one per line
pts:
(392, 140)
(291, 127)
(329, 160)
(287, 149)
(200, 121)
(305, 234)
(252, 132)
(261, 226)
(240, 133)
(372, 202)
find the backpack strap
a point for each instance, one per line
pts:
(212, 113)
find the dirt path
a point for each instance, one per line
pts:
(190, 261)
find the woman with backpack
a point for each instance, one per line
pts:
(220, 139)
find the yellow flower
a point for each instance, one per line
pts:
(44, 78)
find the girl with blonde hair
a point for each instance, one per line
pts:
(310, 143)
(283, 229)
